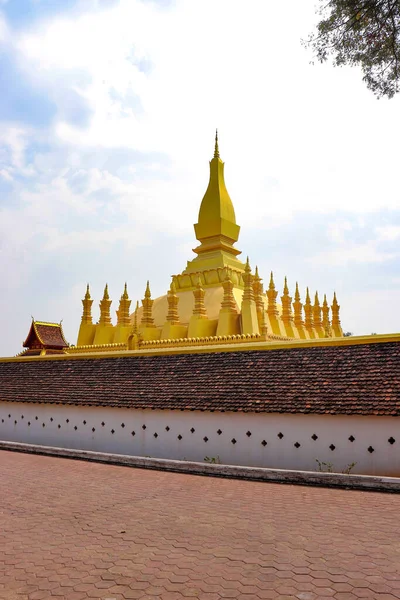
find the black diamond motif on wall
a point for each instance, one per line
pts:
(22, 416)
(36, 418)
(332, 447)
(391, 441)
(29, 423)
(167, 428)
(280, 435)
(93, 429)
(75, 428)
(156, 435)
(143, 426)
(84, 422)
(352, 438)
(192, 430)
(179, 437)
(15, 422)
(205, 439)
(296, 445)
(233, 441)
(248, 433)
(314, 437)
(112, 431)
(9, 416)
(67, 421)
(264, 443)
(133, 432)
(43, 424)
(371, 450)
(122, 425)
(219, 431)
(59, 426)
(51, 419)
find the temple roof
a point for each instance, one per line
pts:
(350, 379)
(45, 335)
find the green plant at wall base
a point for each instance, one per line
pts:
(213, 460)
(324, 467)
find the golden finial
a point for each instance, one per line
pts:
(125, 294)
(334, 299)
(316, 300)
(106, 296)
(247, 268)
(297, 293)
(271, 282)
(216, 149)
(147, 293)
(87, 295)
(325, 303)
(308, 299)
(285, 288)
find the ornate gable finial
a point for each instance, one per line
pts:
(317, 312)
(87, 295)
(106, 296)
(216, 149)
(147, 293)
(272, 294)
(286, 300)
(271, 282)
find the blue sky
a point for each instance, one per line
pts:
(107, 116)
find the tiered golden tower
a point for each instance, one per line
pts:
(216, 299)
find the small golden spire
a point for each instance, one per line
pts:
(216, 149)
(272, 309)
(248, 293)
(308, 320)
(199, 307)
(325, 318)
(286, 300)
(172, 299)
(123, 310)
(271, 282)
(125, 294)
(228, 304)
(147, 303)
(87, 307)
(317, 312)
(297, 306)
(105, 303)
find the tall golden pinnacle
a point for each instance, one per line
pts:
(87, 307)
(317, 312)
(271, 295)
(228, 303)
(308, 317)
(172, 299)
(216, 149)
(199, 307)
(147, 303)
(248, 293)
(297, 306)
(124, 307)
(286, 300)
(105, 304)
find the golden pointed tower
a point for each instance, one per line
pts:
(199, 308)
(258, 290)
(325, 318)
(308, 315)
(336, 326)
(249, 308)
(147, 303)
(298, 307)
(123, 310)
(287, 316)
(216, 228)
(105, 304)
(271, 295)
(173, 300)
(229, 318)
(316, 311)
(87, 307)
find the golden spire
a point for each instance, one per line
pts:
(199, 307)
(87, 307)
(228, 303)
(335, 313)
(248, 293)
(325, 318)
(105, 304)
(216, 149)
(297, 306)
(258, 290)
(147, 303)
(272, 294)
(308, 320)
(123, 310)
(216, 228)
(317, 312)
(172, 299)
(287, 316)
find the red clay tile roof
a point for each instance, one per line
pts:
(354, 380)
(49, 335)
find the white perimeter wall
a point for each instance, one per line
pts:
(82, 428)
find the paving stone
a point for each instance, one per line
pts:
(84, 530)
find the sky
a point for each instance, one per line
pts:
(108, 110)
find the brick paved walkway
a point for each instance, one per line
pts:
(78, 530)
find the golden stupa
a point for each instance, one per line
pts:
(217, 299)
